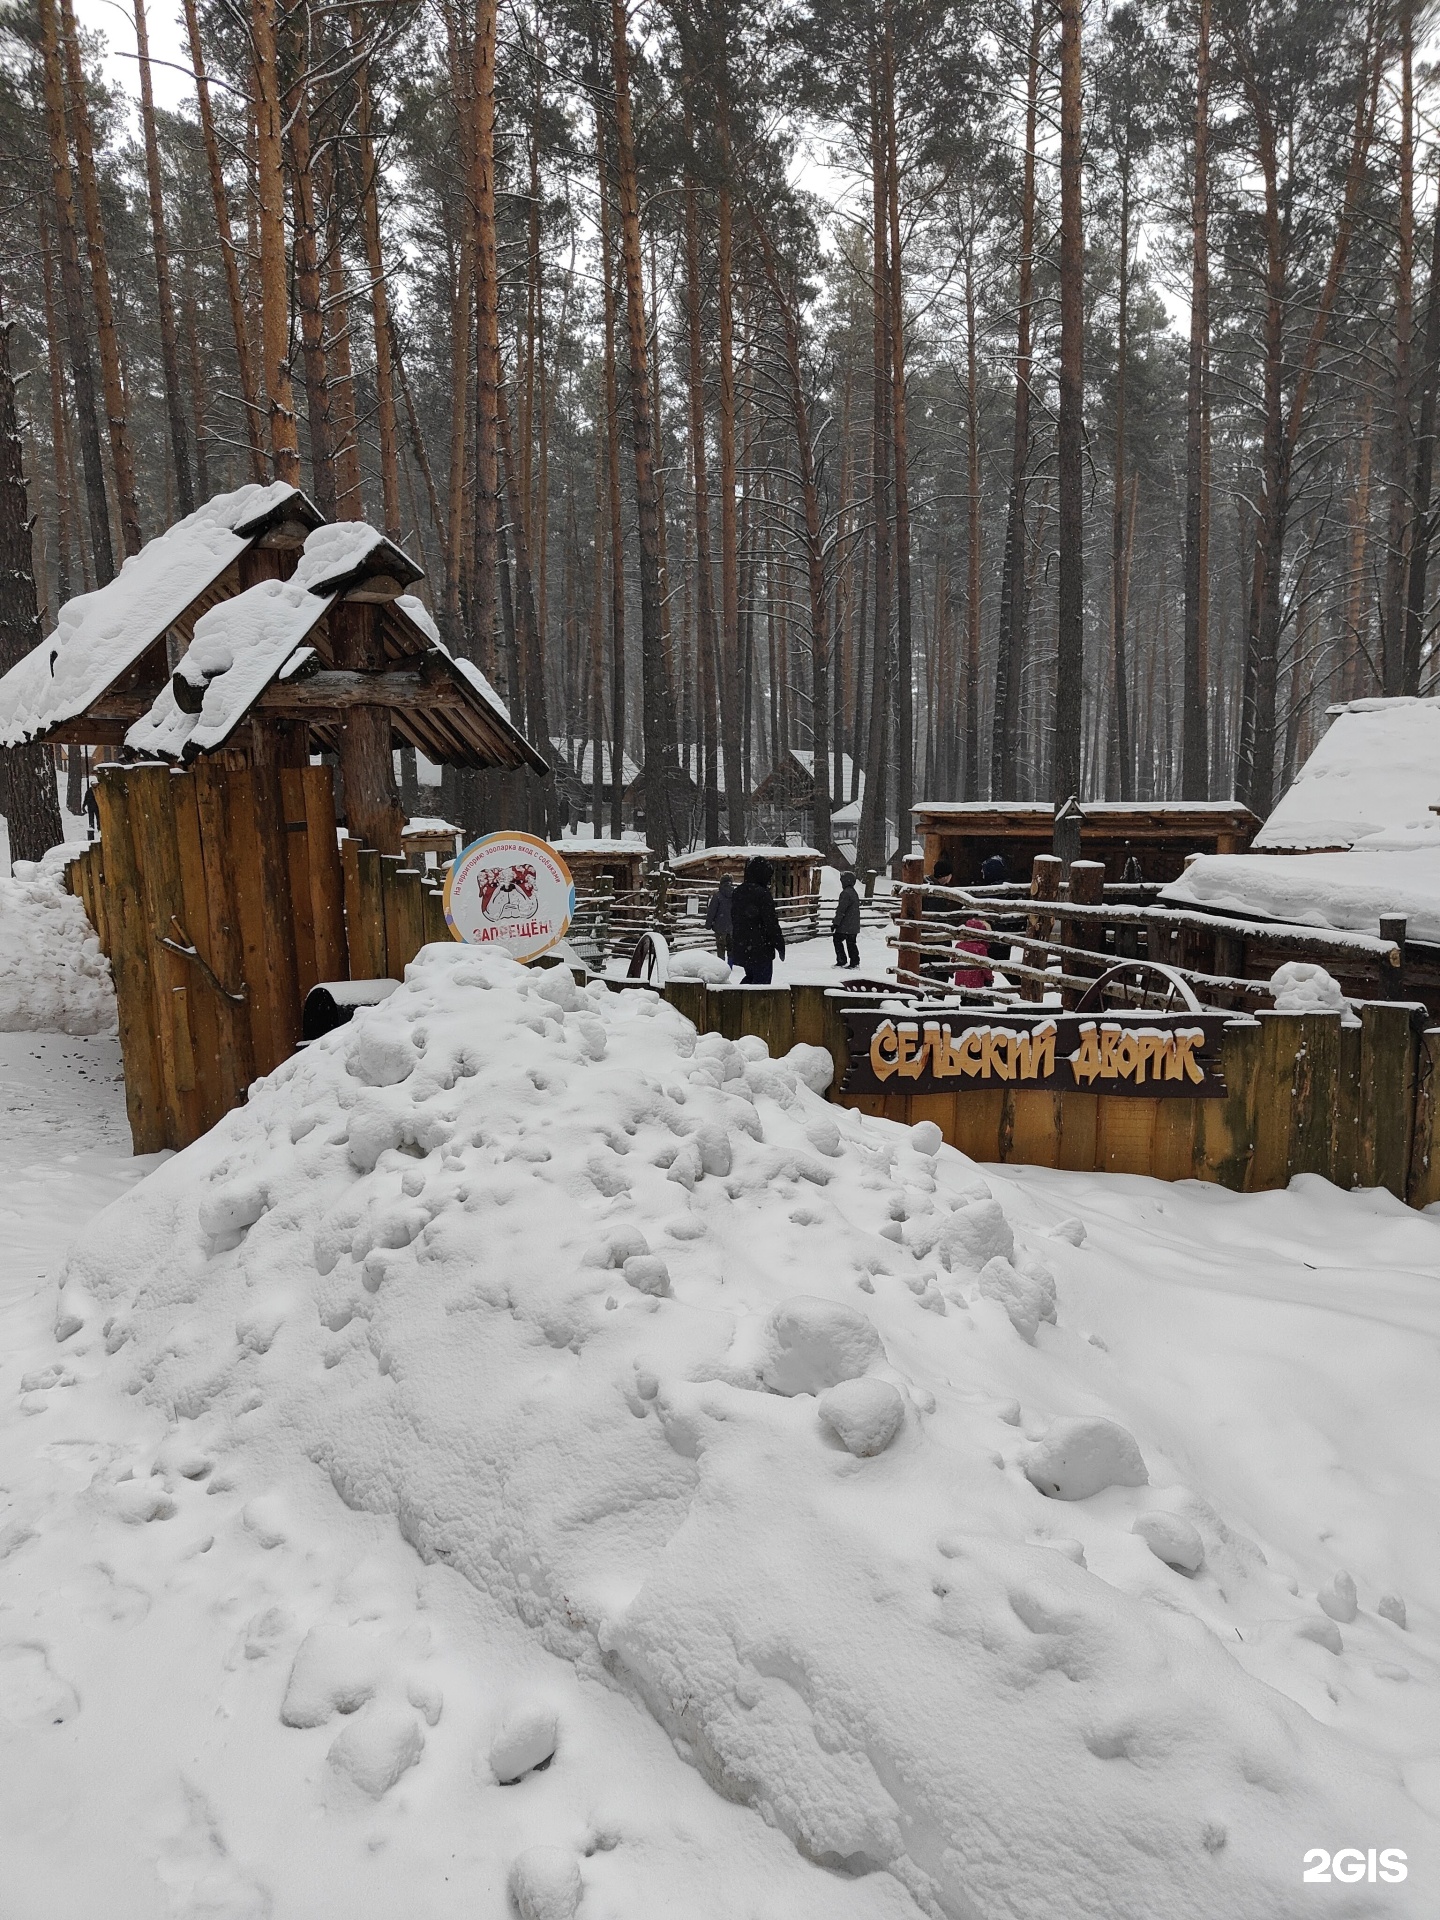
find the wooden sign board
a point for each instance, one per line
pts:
(957, 1050)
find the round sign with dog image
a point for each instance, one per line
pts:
(512, 891)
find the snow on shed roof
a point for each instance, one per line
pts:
(238, 649)
(99, 635)
(1371, 781)
(1346, 891)
(682, 862)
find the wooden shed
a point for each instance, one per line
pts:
(591, 862)
(1159, 834)
(796, 869)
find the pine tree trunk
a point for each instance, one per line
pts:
(705, 637)
(737, 791)
(1422, 525)
(617, 525)
(112, 381)
(345, 426)
(59, 452)
(1070, 650)
(379, 295)
(1195, 750)
(169, 341)
(871, 841)
(82, 372)
(1009, 646)
(904, 670)
(31, 806)
(487, 333)
(244, 360)
(655, 720)
(973, 533)
(308, 295)
(1392, 615)
(1118, 547)
(190, 318)
(279, 393)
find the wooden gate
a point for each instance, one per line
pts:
(217, 894)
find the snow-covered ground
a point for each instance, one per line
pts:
(53, 976)
(518, 1387)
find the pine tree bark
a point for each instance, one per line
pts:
(654, 706)
(1009, 646)
(169, 338)
(27, 774)
(1195, 747)
(112, 380)
(279, 391)
(244, 360)
(1070, 623)
(530, 639)
(82, 372)
(344, 423)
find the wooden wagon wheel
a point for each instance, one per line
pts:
(1140, 983)
(650, 960)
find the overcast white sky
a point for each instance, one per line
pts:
(167, 42)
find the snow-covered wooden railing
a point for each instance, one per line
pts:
(1053, 942)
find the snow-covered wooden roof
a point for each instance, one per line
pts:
(1373, 781)
(269, 651)
(101, 638)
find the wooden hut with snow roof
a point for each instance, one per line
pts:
(222, 668)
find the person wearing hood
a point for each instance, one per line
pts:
(718, 915)
(845, 927)
(755, 936)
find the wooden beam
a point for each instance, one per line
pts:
(338, 689)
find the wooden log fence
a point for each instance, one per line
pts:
(1357, 1104)
(1057, 940)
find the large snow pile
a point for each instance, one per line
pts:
(98, 635)
(766, 1414)
(1372, 781)
(53, 976)
(1345, 891)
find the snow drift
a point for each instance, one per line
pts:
(53, 976)
(765, 1410)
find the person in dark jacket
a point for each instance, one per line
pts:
(845, 927)
(755, 936)
(718, 914)
(995, 871)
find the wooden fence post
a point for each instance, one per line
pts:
(1044, 885)
(912, 906)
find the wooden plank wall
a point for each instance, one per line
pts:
(1359, 1105)
(391, 911)
(218, 891)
